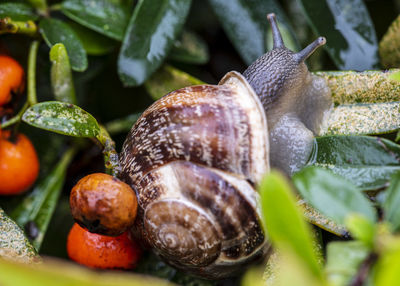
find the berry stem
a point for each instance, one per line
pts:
(111, 159)
(8, 26)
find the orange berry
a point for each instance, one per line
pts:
(103, 204)
(11, 78)
(100, 251)
(19, 164)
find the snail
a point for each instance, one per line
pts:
(196, 156)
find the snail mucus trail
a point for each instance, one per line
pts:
(195, 157)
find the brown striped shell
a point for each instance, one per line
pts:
(193, 159)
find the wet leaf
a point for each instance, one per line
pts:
(94, 43)
(61, 75)
(168, 79)
(246, 25)
(63, 118)
(284, 223)
(349, 30)
(343, 261)
(332, 195)
(37, 208)
(368, 162)
(55, 31)
(56, 272)
(363, 119)
(105, 17)
(349, 87)
(389, 49)
(392, 202)
(152, 31)
(190, 49)
(14, 245)
(17, 11)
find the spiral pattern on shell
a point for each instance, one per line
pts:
(194, 158)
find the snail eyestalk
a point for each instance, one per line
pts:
(309, 50)
(278, 42)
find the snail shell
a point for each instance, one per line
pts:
(193, 159)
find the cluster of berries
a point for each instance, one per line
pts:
(19, 169)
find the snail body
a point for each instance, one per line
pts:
(195, 157)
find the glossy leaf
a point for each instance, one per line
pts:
(153, 29)
(61, 273)
(63, 118)
(17, 11)
(38, 207)
(246, 25)
(94, 43)
(361, 229)
(284, 223)
(61, 75)
(105, 17)
(349, 30)
(363, 119)
(331, 194)
(343, 261)
(392, 202)
(368, 162)
(190, 49)
(168, 79)
(55, 31)
(13, 243)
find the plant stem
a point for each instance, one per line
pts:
(111, 160)
(8, 26)
(40, 5)
(32, 72)
(364, 270)
(17, 117)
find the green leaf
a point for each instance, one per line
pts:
(361, 229)
(367, 162)
(38, 207)
(363, 119)
(395, 76)
(17, 11)
(57, 272)
(285, 225)
(168, 79)
(331, 194)
(246, 25)
(105, 17)
(63, 118)
(56, 31)
(94, 43)
(13, 243)
(61, 75)
(386, 271)
(343, 261)
(389, 49)
(350, 32)
(392, 202)
(152, 30)
(122, 124)
(190, 49)
(316, 218)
